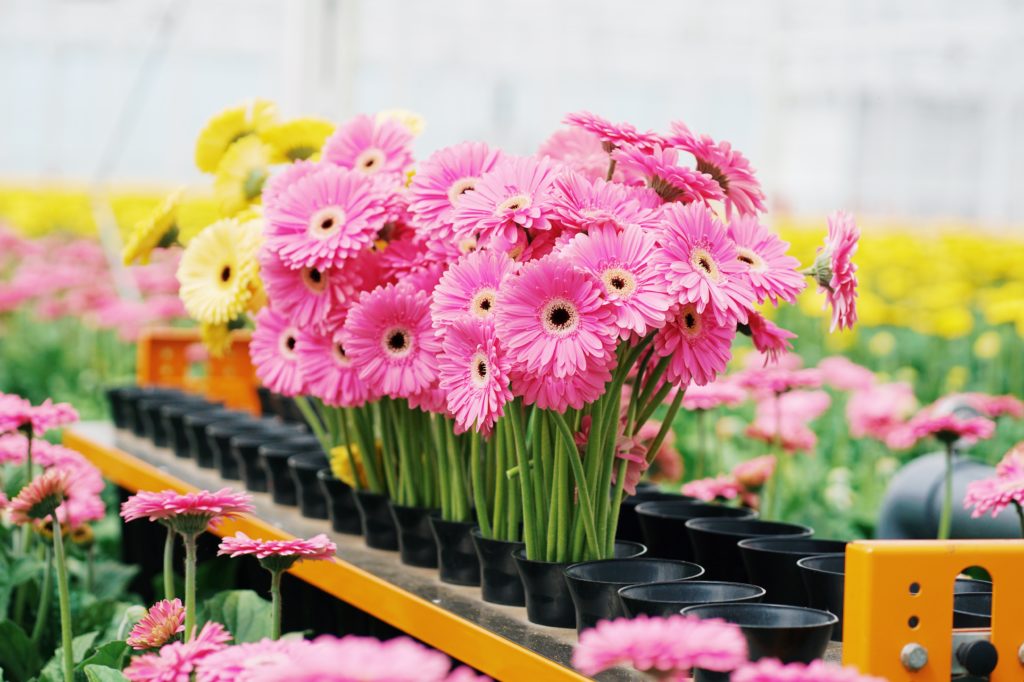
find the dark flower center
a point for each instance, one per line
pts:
(703, 263)
(559, 316)
(315, 276)
(326, 223)
(745, 259)
(290, 342)
(481, 368)
(485, 304)
(715, 172)
(691, 320)
(225, 274)
(618, 283)
(397, 340)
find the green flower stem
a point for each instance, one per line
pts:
(946, 519)
(45, 595)
(1020, 515)
(476, 474)
(190, 585)
(314, 421)
(500, 513)
(64, 595)
(346, 436)
(586, 501)
(169, 564)
(90, 568)
(513, 422)
(275, 604)
(439, 451)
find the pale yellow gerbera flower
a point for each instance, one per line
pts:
(157, 230)
(230, 125)
(195, 213)
(216, 338)
(219, 271)
(413, 122)
(241, 174)
(299, 139)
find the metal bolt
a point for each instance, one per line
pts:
(914, 657)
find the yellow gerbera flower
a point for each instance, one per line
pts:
(410, 119)
(157, 230)
(241, 174)
(195, 213)
(216, 338)
(218, 270)
(341, 465)
(230, 125)
(298, 139)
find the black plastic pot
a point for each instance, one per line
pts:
(499, 580)
(663, 523)
(236, 451)
(771, 563)
(824, 576)
(341, 506)
(547, 599)
(970, 585)
(456, 558)
(792, 634)
(273, 459)
(200, 444)
(972, 610)
(304, 469)
(594, 585)
(714, 543)
(416, 545)
(173, 417)
(148, 410)
(628, 527)
(375, 516)
(266, 401)
(149, 397)
(116, 396)
(669, 598)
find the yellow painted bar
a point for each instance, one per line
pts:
(478, 647)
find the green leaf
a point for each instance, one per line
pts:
(18, 657)
(101, 673)
(80, 646)
(244, 613)
(104, 617)
(111, 655)
(111, 578)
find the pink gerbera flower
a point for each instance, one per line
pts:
(549, 392)
(754, 473)
(772, 273)
(515, 195)
(723, 392)
(947, 428)
(469, 288)
(272, 350)
(878, 410)
(768, 380)
(13, 447)
(474, 374)
(323, 218)
(187, 513)
(308, 295)
(672, 182)
(771, 340)
(699, 264)
(843, 374)
(622, 261)
(177, 661)
(993, 406)
(723, 487)
(728, 167)
(40, 498)
(553, 319)
(162, 621)
(835, 272)
(280, 182)
(782, 419)
(581, 203)
(241, 662)
(699, 346)
(633, 450)
(667, 648)
(579, 150)
(771, 670)
(1005, 488)
(613, 135)
(328, 371)
(370, 146)
(18, 413)
(390, 339)
(442, 180)
(278, 555)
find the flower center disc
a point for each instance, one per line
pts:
(702, 260)
(225, 274)
(513, 204)
(482, 304)
(754, 261)
(460, 187)
(619, 282)
(397, 342)
(370, 161)
(338, 351)
(326, 222)
(559, 317)
(314, 280)
(479, 370)
(467, 245)
(692, 324)
(288, 340)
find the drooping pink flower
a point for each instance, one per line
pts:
(723, 392)
(328, 371)
(549, 392)
(580, 151)
(469, 288)
(996, 493)
(700, 347)
(316, 548)
(947, 428)
(613, 135)
(622, 261)
(727, 166)
(665, 647)
(835, 272)
(993, 406)
(442, 180)
(40, 497)
(474, 374)
(516, 195)
(878, 410)
(241, 662)
(772, 273)
(771, 670)
(162, 621)
(323, 218)
(308, 296)
(186, 512)
(698, 262)
(272, 350)
(843, 374)
(633, 450)
(391, 342)
(552, 318)
(581, 203)
(771, 340)
(754, 473)
(723, 487)
(672, 182)
(370, 146)
(177, 661)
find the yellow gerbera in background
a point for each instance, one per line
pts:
(341, 465)
(158, 229)
(241, 174)
(219, 271)
(229, 126)
(299, 139)
(410, 119)
(216, 338)
(195, 212)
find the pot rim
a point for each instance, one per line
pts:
(748, 543)
(807, 561)
(728, 583)
(519, 554)
(970, 596)
(831, 618)
(477, 533)
(799, 530)
(645, 509)
(641, 559)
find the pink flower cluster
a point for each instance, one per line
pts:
(1005, 488)
(316, 548)
(17, 413)
(744, 482)
(177, 661)
(771, 670)
(190, 512)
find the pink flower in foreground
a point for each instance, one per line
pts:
(773, 275)
(723, 392)
(723, 487)
(241, 662)
(947, 428)
(370, 146)
(879, 410)
(474, 374)
(754, 473)
(665, 647)
(727, 166)
(442, 181)
(162, 621)
(278, 554)
(40, 497)
(272, 350)
(771, 670)
(835, 272)
(547, 391)
(186, 512)
(613, 135)
(328, 370)
(843, 374)
(469, 288)
(176, 662)
(771, 340)
(308, 295)
(672, 182)
(699, 346)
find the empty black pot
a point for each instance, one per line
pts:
(628, 527)
(378, 525)
(149, 397)
(115, 401)
(153, 426)
(972, 610)
(499, 579)
(341, 506)
(663, 523)
(416, 545)
(669, 598)
(273, 459)
(714, 543)
(304, 469)
(266, 401)
(173, 417)
(970, 585)
(456, 558)
(792, 634)
(237, 449)
(594, 585)
(771, 563)
(824, 576)
(200, 444)
(547, 599)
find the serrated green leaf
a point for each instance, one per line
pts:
(244, 613)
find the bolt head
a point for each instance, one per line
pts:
(914, 657)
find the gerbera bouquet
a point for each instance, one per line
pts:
(502, 328)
